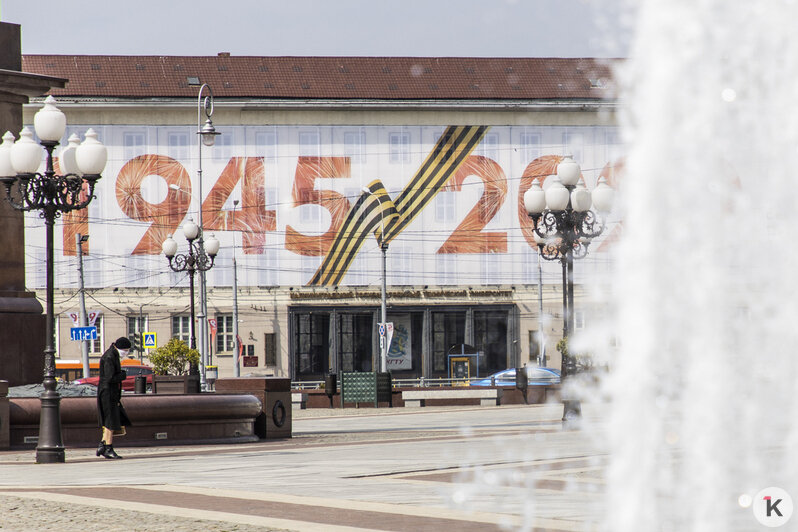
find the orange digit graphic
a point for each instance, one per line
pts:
(468, 237)
(308, 169)
(253, 220)
(74, 221)
(540, 168)
(166, 216)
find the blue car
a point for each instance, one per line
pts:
(536, 376)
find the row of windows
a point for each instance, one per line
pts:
(354, 143)
(225, 340)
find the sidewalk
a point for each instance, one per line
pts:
(458, 468)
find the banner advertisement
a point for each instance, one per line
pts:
(316, 203)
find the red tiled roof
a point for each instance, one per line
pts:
(383, 78)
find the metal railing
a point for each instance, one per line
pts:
(418, 382)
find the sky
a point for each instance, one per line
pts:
(436, 28)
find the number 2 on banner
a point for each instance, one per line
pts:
(468, 237)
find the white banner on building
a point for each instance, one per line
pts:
(399, 348)
(297, 186)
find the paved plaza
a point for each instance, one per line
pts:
(402, 469)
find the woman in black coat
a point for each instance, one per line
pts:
(112, 416)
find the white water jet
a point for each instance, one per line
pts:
(703, 402)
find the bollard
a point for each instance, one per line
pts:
(140, 384)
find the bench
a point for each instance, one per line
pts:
(486, 396)
(299, 400)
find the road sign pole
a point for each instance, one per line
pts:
(83, 320)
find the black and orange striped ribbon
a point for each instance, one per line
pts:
(375, 211)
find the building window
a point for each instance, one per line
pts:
(225, 340)
(579, 319)
(613, 146)
(354, 146)
(445, 207)
(490, 339)
(96, 346)
(270, 349)
(133, 143)
(489, 147)
(448, 330)
(490, 268)
(311, 344)
(355, 341)
(266, 142)
(137, 271)
(399, 147)
(178, 146)
(92, 272)
(267, 272)
(446, 267)
(530, 146)
(309, 143)
(181, 328)
(573, 144)
(223, 271)
(222, 149)
(401, 265)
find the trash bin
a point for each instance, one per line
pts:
(211, 374)
(521, 381)
(331, 387)
(140, 384)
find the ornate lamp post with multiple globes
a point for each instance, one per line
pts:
(564, 226)
(51, 194)
(200, 258)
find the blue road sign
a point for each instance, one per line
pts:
(150, 340)
(83, 333)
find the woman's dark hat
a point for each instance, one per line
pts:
(122, 343)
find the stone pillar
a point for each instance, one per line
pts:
(22, 334)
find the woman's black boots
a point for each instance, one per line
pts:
(110, 453)
(107, 451)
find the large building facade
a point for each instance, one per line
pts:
(446, 147)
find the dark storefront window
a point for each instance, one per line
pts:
(490, 339)
(312, 344)
(448, 329)
(354, 341)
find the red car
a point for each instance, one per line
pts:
(129, 383)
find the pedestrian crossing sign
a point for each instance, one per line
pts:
(150, 340)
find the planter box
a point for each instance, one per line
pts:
(274, 393)
(175, 384)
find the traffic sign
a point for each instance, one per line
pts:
(83, 333)
(150, 340)
(382, 329)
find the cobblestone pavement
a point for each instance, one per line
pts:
(19, 514)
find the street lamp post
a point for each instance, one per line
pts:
(564, 226)
(206, 136)
(51, 194)
(200, 258)
(383, 290)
